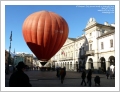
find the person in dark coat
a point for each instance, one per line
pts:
(83, 76)
(107, 74)
(19, 78)
(62, 74)
(97, 80)
(89, 77)
(58, 72)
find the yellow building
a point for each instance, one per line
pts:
(28, 59)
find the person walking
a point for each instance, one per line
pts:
(83, 76)
(111, 74)
(19, 78)
(107, 74)
(89, 77)
(62, 74)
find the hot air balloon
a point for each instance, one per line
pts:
(45, 33)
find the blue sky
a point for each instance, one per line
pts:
(76, 17)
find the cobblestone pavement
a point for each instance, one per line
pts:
(72, 79)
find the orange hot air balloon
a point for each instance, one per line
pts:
(45, 33)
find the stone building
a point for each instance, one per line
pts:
(93, 50)
(28, 59)
(36, 62)
(6, 57)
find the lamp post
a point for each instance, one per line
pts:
(9, 56)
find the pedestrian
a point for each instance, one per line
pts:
(114, 72)
(62, 74)
(58, 72)
(97, 80)
(19, 78)
(89, 77)
(65, 71)
(83, 76)
(111, 74)
(107, 74)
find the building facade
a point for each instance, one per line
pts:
(36, 62)
(28, 59)
(95, 49)
(18, 58)
(6, 57)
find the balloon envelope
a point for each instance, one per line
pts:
(45, 33)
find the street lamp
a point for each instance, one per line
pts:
(9, 57)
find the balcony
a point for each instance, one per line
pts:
(69, 58)
(61, 59)
(90, 52)
(66, 58)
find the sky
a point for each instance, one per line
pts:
(76, 16)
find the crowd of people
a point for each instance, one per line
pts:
(110, 74)
(20, 79)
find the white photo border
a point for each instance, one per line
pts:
(3, 3)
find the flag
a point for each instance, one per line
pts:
(11, 36)
(63, 53)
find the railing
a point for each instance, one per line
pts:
(62, 59)
(69, 57)
(65, 58)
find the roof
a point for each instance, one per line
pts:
(23, 55)
(80, 38)
(75, 39)
(109, 32)
(100, 25)
(18, 55)
(6, 51)
(28, 54)
(72, 39)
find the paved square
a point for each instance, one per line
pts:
(72, 79)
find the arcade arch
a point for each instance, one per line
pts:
(112, 60)
(103, 64)
(90, 66)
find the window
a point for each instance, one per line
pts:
(111, 43)
(102, 46)
(90, 34)
(90, 46)
(28, 61)
(72, 54)
(103, 30)
(68, 54)
(76, 45)
(76, 54)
